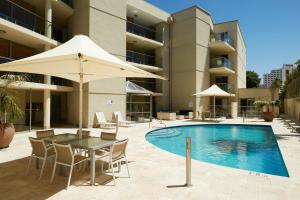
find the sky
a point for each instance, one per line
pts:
(271, 28)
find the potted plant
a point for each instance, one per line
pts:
(264, 106)
(9, 109)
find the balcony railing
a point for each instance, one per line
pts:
(221, 110)
(220, 62)
(5, 59)
(222, 37)
(248, 111)
(16, 14)
(293, 89)
(35, 78)
(140, 58)
(227, 87)
(141, 31)
(68, 2)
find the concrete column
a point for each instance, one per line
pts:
(47, 100)
(48, 18)
(234, 109)
(47, 79)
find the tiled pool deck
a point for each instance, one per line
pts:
(152, 171)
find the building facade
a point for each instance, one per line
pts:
(186, 47)
(280, 74)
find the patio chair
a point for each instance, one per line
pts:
(108, 136)
(85, 133)
(102, 122)
(117, 117)
(40, 151)
(66, 157)
(116, 154)
(45, 133)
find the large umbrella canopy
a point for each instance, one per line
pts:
(80, 60)
(213, 91)
(64, 61)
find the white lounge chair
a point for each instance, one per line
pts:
(117, 116)
(102, 122)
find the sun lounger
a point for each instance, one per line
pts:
(117, 116)
(102, 122)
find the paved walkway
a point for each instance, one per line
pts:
(152, 171)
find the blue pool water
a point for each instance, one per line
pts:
(246, 147)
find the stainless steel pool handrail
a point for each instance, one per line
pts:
(188, 162)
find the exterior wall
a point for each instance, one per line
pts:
(108, 29)
(292, 108)
(184, 56)
(237, 58)
(189, 70)
(78, 22)
(163, 59)
(262, 94)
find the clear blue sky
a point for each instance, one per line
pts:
(271, 28)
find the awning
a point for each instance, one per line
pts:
(133, 88)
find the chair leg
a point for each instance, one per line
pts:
(53, 173)
(119, 167)
(127, 167)
(113, 173)
(43, 166)
(29, 163)
(70, 175)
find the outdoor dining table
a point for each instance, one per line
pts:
(89, 143)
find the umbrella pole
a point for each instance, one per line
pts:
(80, 99)
(214, 106)
(30, 109)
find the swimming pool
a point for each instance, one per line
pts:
(249, 147)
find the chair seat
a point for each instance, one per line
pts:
(79, 158)
(101, 153)
(107, 159)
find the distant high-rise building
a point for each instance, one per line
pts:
(280, 74)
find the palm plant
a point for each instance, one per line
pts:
(7, 97)
(276, 84)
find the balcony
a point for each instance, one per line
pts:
(227, 87)
(35, 78)
(68, 2)
(20, 16)
(222, 43)
(221, 65)
(143, 61)
(143, 36)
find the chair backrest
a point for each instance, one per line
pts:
(108, 136)
(119, 115)
(119, 149)
(44, 133)
(64, 153)
(85, 133)
(38, 147)
(100, 117)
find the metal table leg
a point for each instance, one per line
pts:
(92, 166)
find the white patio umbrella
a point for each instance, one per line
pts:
(80, 60)
(214, 91)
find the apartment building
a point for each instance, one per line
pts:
(281, 74)
(186, 47)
